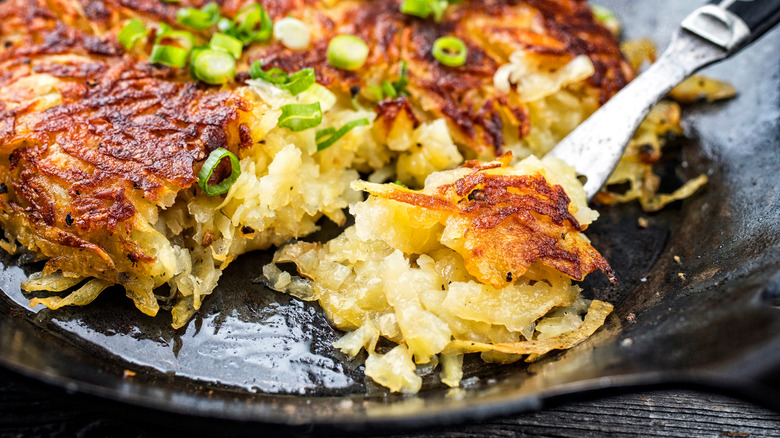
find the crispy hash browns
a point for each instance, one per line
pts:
(480, 260)
(101, 149)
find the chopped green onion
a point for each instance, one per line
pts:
(131, 33)
(324, 133)
(274, 76)
(450, 51)
(179, 38)
(347, 52)
(295, 83)
(437, 8)
(169, 55)
(212, 162)
(424, 8)
(199, 19)
(388, 90)
(335, 135)
(293, 33)
(403, 79)
(300, 116)
(299, 82)
(254, 24)
(228, 27)
(213, 66)
(418, 8)
(377, 92)
(226, 43)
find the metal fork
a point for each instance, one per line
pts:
(711, 33)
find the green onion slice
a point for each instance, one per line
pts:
(424, 8)
(300, 116)
(437, 8)
(131, 33)
(418, 8)
(199, 19)
(275, 75)
(450, 51)
(403, 78)
(324, 133)
(226, 43)
(299, 81)
(295, 83)
(347, 52)
(254, 24)
(212, 162)
(388, 90)
(179, 38)
(376, 91)
(228, 27)
(213, 66)
(332, 135)
(169, 55)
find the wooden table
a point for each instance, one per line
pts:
(30, 408)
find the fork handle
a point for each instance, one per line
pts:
(711, 33)
(733, 24)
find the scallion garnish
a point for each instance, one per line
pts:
(403, 79)
(450, 51)
(388, 90)
(212, 162)
(377, 92)
(253, 24)
(437, 8)
(391, 89)
(300, 116)
(200, 19)
(226, 43)
(213, 66)
(347, 52)
(131, 33)
(228, 27)
(418, 8)
(274, 76)
(424, 8)
(179, 38)
(299, 81)
(293, 33)
(332, 135)
(295, 83)
(171, 56)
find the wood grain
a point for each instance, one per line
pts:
(30, 408)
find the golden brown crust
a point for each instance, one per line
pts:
(507, 222)
(92, 133)
(492, 30)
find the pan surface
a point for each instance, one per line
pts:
(253, 354)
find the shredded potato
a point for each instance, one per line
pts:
(400, 273)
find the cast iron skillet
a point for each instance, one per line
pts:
(253, 354)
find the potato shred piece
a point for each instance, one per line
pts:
(501, 223)
(479, 261)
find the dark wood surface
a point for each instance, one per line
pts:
(30, 408)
